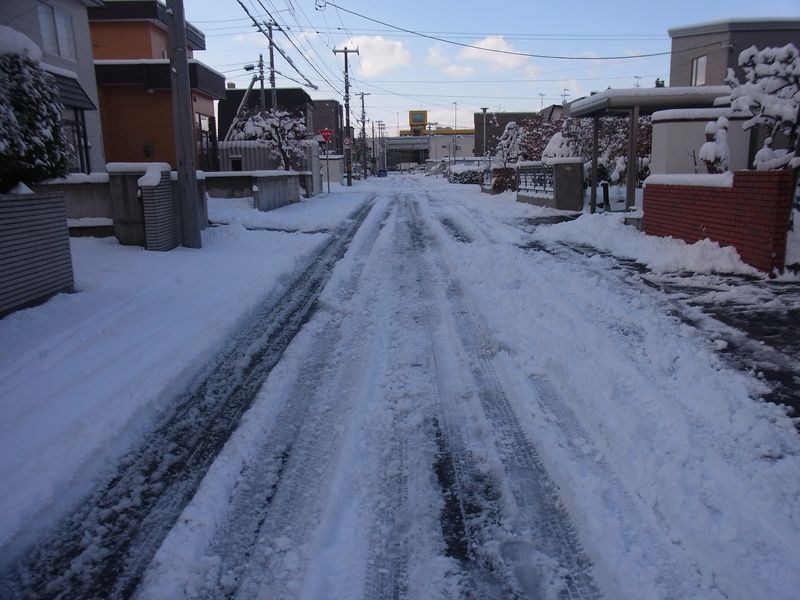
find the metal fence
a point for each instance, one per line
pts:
(537, 178)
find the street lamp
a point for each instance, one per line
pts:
(484, 109)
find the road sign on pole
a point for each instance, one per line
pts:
(326, 134)
(347, 143)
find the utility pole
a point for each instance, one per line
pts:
(455, 121)
(374, 158)
(363, 132)
(348, 151)
(270, 25)
(261, 78)
(381, 125)
(564, 95)
(541, 101)
(184, 127)
(484, 109)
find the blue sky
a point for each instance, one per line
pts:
(402, 72)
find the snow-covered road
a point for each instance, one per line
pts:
(444, 400)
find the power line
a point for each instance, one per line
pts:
(285, 56)
(312, 48)
(291, 41)
(511, 52)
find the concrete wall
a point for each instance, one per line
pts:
(35, 259)
(675, 140)
(680, 68)
(752, 216)
(269, 191)
(83, 200)
(722, 42)
(22, 16)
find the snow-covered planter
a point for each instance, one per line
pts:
(35, 259)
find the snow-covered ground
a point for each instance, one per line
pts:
(82, 375)
(464, 350)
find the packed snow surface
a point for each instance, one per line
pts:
(462, 335)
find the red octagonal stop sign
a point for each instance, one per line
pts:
(326, 134)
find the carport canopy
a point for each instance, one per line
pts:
(636, 102)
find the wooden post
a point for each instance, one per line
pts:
(184, 127)
(595, 136)
(633, 159)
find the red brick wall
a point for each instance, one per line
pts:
(752, 216)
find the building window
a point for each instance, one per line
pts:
(74, 124)
(58, 35)
(699, 70)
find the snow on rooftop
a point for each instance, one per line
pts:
(628, 97)
(696, 114)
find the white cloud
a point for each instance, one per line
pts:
(532, 71)
(436, 57)
(378, 55)
(459, 70)
(495, 42)
(254, 38)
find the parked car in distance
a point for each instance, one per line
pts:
(381, 173)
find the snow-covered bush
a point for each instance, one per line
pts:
(465, 174)
(537, 132)
(715, 152)
(771, 94)
(283, 133)
(507, 151)
(33, 145)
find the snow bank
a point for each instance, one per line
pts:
(607, 232)
(83, 375)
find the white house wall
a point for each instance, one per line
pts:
(674, 142)
(22, 15)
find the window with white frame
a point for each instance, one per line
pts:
(699, 70)
(58, 35)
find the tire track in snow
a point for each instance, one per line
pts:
(544, 557)
(102, 549)
(273, 510)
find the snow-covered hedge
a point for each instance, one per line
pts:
(465, 174)
(33, 145)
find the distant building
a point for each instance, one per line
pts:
(292, 100)
(61, 29)
(328, 114)
(131, 48)
(703, 53)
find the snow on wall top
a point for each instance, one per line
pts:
(272, 173)
(14, 42)
(699, 180)
(152, 171)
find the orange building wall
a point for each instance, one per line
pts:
(125, 39)
(132, 118)
(117, 40)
